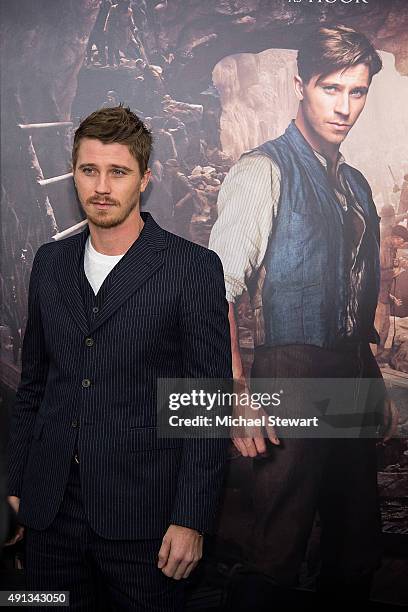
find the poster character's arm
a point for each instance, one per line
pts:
(247, 207)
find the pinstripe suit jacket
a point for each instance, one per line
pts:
(164, 315)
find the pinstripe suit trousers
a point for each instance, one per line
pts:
(70, 556)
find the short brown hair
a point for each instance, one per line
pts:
(116, 124)
(334, 48)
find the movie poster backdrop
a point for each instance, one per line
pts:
(211, 80)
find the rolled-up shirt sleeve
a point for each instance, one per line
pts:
(247, 204)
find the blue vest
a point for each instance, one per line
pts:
(307, 284)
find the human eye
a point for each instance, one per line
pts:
(330, 88)
(88, 170)
(118, 172)
(358, 93)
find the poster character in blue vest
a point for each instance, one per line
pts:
(294, 216)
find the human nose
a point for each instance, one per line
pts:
(342, 104)
(102, 184)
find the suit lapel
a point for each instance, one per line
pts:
(67, 275)
(140, 262)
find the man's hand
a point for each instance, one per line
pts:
(19, 534)
(251, 440)
(248, 441)
(390, 421)
(181, 550)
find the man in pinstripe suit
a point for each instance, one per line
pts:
(110, 311)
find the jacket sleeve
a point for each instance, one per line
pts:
(32, 383)
(206, 353)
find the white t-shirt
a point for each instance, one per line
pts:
(97, 266)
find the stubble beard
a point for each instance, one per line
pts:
(102, 218)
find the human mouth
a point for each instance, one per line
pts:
(340, 127)
(102, 205)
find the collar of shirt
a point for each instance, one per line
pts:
(324, 162)
(342, 190)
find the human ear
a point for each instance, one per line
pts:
(298, 84)
(145, 179)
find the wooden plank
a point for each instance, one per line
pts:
(55, 179)
(41, 126)
(70, 230)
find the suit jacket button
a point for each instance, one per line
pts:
(74, 424)
(95, 309)
(86, 382)
(89, 341)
